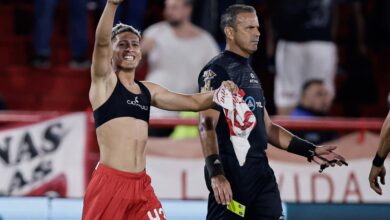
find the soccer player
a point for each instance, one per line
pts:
(120, 187)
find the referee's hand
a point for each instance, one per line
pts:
(375, 174)
(222, 190)
(325, 156)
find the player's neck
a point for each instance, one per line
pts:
(126, 76)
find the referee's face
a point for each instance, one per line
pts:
(246, 33)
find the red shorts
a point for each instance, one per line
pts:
(113, 194)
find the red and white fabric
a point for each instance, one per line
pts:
(239, 118)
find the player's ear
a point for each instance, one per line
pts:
(228, 32)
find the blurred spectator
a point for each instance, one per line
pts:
(305, 48)
(44, 11)
(130, 12)
(177, 50)
(314, 102)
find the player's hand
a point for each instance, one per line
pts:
(222, 190)
(375, 173)
(115, 2)
(325, 157)
(231, 86)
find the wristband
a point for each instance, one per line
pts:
(302, 147)
(378, 161)
(214, 165)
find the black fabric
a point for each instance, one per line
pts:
(230, 66)
(214, 165)
(123, 103)
(303, 20)
(378, 161)
(253, 185)
(301, 147)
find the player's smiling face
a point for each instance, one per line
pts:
(126, 50)
(246, 32)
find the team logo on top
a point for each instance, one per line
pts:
(252, 104)
(136, 103)
(208, 75)
(253, 78)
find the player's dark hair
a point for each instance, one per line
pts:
(229, 17)
(310, 82)
(120, 28)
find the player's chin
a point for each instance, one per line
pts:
(127, 68)
(129, 65)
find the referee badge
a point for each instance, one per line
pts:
(208, 75)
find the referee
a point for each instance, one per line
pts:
(252, 185)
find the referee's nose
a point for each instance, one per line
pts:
(257, 33)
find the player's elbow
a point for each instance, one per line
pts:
(197, 107)
(193, 104)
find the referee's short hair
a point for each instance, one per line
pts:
(120, 28)
(229, 17)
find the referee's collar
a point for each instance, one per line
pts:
(236, 56)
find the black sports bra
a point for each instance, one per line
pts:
(123, 103)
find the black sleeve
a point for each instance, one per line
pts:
(211, 78)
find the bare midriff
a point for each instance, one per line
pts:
(122, 144)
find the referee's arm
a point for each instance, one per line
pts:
(283, 139)
(221, 187)
(378, 170)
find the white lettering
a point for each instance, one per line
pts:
(161, 212)
(151, 217)
(259, 105)
(136, 103)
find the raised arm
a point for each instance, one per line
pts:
(101, 64)
(167, 100)
(377, 168)
(283, 139)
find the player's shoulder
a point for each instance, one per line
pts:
(152, 87)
